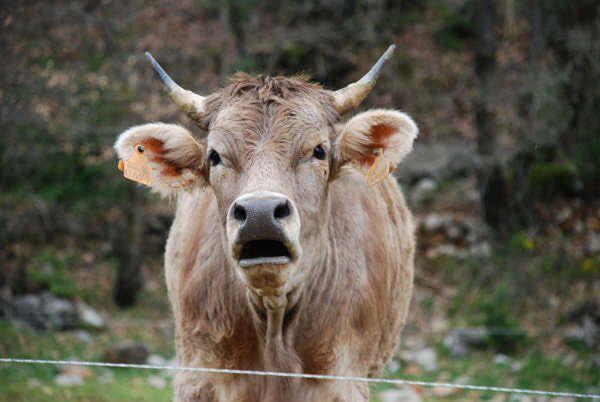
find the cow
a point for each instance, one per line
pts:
(292, 246)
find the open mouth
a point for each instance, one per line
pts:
(258, 252)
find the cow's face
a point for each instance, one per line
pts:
(272, 149)
(269, 161)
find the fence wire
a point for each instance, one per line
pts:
(467, 387)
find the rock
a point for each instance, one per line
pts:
(439, 324)
(460, 341)
(454, 232)
(570, 359)
(89, 317)
(157, 382)
(404, 394)
(68, 380)
(426, 358)
(439, 161)
(593, 243)
(83, 336)
(156, 360)
(412, 370)
(76, 370)
(43, 311)
(591, 332)
(423, 190)
(413, 342)
(516, 366)
(106, 377)
(444, 392)
(529, 398)
(563, 215)
(47, 269)
(501, 359)
(106, 248)
(463, 379)
(446, 250)
(433, 222)
(60, 311)
(482, 250)
(46, 311)
(393, 365)
(34, 383)
(586, 326)
(28, 310)
(173, 362)
(127, 352)
(522, 398)
(453, 235)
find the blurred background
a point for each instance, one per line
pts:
(504, 180)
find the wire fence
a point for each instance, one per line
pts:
(169, 324)
(466, 387)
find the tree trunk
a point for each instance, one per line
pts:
(224, 18)
(493, 192)
(128, 247)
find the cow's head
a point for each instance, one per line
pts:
(273, 147)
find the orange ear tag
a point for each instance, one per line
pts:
(380, 168)
(137, 168)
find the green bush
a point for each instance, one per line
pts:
(505, 334)
(553, 178)
(456, 28)
(51, 271)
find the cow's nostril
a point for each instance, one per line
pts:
(239, 213)
(282, 210)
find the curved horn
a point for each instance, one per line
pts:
(351, 96)
(188, 101)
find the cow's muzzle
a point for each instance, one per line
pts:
(265, 228)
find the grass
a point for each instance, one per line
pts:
(534, 369)
(125, 385)
(36, 382)
(483, 297)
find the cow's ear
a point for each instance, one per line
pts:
(375, 141)
(176, 158)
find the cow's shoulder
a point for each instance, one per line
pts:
(373, 237)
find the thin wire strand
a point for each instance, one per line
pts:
(304, 376)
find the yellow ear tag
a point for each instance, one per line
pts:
(380, 168)
(137, 168)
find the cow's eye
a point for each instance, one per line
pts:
(214, 158)
(319, 152)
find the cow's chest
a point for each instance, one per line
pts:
(299, 348)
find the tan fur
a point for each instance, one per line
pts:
(347, 297)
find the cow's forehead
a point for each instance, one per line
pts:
(290, 121)
(287, 113)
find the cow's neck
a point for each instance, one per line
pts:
(275, 308)
(273, 315)
(277, 312)
(273, 311)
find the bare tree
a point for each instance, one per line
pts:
(128, 246)
(493, 193)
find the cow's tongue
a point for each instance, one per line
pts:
(257, 252)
